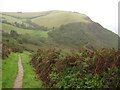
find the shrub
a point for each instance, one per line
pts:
(84, 68)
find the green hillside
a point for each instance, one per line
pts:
(23, 38)
(84, 34)
(57, 49)
(7, 28)
(25, 14)
(11, 19)
(60, 18)
(62, 29)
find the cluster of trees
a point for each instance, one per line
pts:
(11, 42)
(10, 45)
(19, 38)
(14, 39)
(99, 68)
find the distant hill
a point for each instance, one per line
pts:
(26, 14)
(58, 18)
(84, 34)
(58, 28)
(49, 19)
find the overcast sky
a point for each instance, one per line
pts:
(104, 12)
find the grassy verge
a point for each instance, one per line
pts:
(29, 79)
(9, 70)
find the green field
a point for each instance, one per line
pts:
(7, 28)
(60, 18)
(25, 14)
(48, 18)
(12, 19)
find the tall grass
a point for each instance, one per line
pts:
(9, 70)
(30, 79)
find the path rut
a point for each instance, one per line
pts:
(18, 80)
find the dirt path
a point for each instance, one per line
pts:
(18, 80)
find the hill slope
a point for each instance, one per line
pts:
(84, 34)
(26, 14)
(7, 28)
(59, 28)
(59, 18)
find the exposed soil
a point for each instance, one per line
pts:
(18, 80)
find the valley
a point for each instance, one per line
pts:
(57, 48)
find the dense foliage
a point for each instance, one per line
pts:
(5, 52)
(10, 44)
(11, 47)
(99, 68)
(16, 41)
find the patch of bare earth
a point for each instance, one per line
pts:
(18, 80)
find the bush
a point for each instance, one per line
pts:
(5, 51)
(99, 68)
